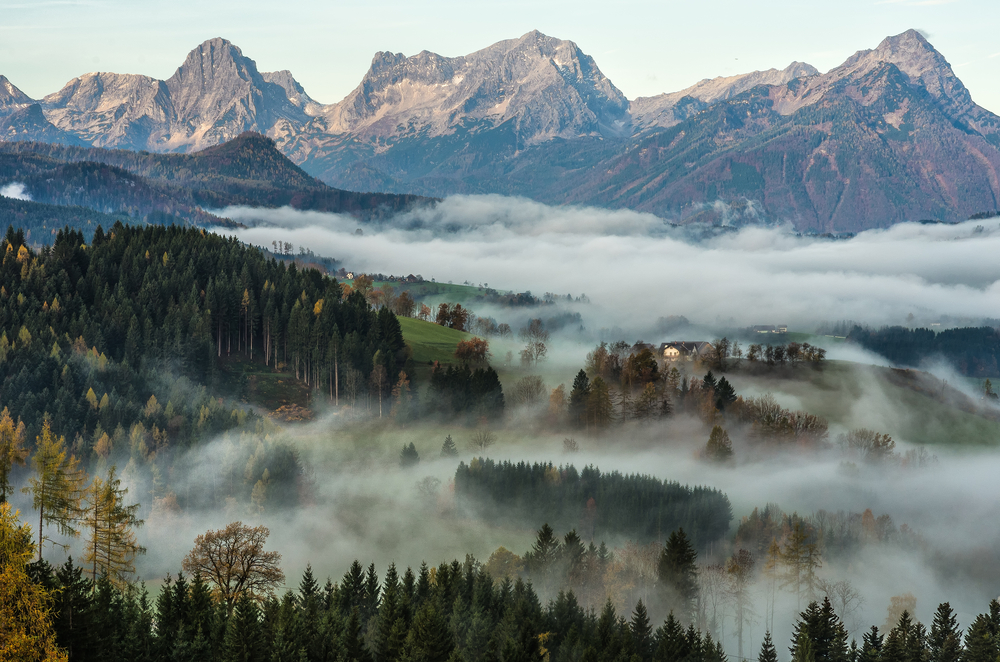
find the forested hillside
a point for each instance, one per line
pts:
(94, 336)
(248, 170)
(973, 351)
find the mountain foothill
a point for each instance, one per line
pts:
(890, 135)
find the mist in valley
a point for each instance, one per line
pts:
(353, 500)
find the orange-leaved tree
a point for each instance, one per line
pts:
(475, 350)
(234, 561)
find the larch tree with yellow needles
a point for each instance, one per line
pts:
(57, 488)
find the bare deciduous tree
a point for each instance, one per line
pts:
(482, 439)
(234, 561)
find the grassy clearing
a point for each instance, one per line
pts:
(429, 341)
(851, 395)
(428, 291)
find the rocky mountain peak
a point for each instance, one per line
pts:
(546, 85)
(912, 54)
(213, 64)
(668, 109)
(11, 98)
(293, 89)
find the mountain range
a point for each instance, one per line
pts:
(890, 135)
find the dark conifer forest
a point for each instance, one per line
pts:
(130, 326)
(602, 505)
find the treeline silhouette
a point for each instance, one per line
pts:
(599, 505)
(974, 351)
(456, 611)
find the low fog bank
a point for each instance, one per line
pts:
(636, 269)
(15, 191)
(357, 502)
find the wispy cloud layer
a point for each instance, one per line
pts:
(636, 269)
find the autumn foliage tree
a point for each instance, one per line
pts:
(26, 632)
(12, 450)
(57, 488)
(233, 559)
(475, 350)
(112, 547)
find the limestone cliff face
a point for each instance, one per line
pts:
(666, 110)
(11, 98)
(546, 87)
(215, 95)
(28, 123)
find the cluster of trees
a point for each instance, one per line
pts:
(608, 505)
(453, 317)
(726, 353)
(834, 535)
(973, 351)
(89, 332)
(40, 222)
(766, 420)
(401, 304)
(459, 390)
(456, 611)
(59, 492)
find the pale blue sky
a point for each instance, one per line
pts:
(645, 47)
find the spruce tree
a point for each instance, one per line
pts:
(767, 650)
(801, 649)
(982, 640)
(677, 576)
(725, 394)
(578, 399)
(945, 641)
(243, 641)
(409, 457)
(672, 645)
(642, 632)
(448, 448)
(871, 646)
(430, 636)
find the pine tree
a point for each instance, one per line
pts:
(578, 399)
(243, 641)
(677, 574)
(719, 448)
(642, 633)
(945, 641)
(982, 641)
(57, 489)
(725, 394)
(112, 547)
(802, 648)
(599, 408)
(672, 644)
(767, 650)
(448, 448)
(408, 457)
(871, 647)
